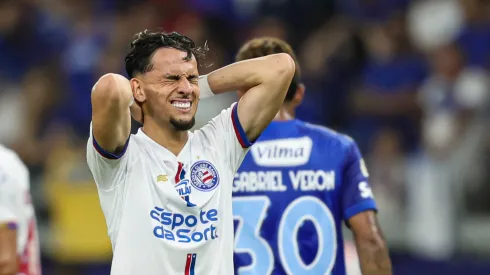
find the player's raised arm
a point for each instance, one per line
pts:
(264, 81)
(111, 118)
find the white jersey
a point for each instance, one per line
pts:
(170, 214)
(17, 212)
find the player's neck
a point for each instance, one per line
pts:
(285, 113)
(168, 137)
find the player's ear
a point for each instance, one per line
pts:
(299, 95)
(137, 89)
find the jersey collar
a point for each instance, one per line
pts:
(160, 150)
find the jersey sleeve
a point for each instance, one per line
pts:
(226, 133)
(108, 169)
(11, 197)
(8, 204)
(357, 195)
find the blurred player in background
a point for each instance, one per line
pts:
(19, 244)
(294, 189)
(166, 192)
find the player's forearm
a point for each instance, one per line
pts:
(8, 250)
(8, 269)
(374, 258)
(247, 74)
(8, 258)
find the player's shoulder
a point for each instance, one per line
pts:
(326, 135)
(226, 113)
(136, 140)
(11, 166)
(10, 159)
(217, 123)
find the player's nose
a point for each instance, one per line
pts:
(185, 86)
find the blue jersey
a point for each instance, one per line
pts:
(291, 194)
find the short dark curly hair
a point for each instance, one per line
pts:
(146, 43)
(263, 46)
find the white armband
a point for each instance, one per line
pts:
(204, 87)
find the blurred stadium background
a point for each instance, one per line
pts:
(407, 79)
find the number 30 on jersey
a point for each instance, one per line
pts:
(253, 210)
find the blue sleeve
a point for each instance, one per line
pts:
(357, 195)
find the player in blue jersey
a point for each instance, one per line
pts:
(295, 188)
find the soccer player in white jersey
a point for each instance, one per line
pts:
(165, 191)
(19, 244)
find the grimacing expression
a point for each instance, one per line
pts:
(171, 89)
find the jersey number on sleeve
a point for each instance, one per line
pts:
(248, 239)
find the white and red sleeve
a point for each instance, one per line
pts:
(10, 201)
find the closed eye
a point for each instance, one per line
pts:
(193, 78)
(173, 77)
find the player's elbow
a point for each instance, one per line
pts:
(374, 256)
(281, 67)
(8, 265)
(108, 89)
(372, 242)
(104, 86)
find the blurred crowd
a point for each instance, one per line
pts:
(408, 80)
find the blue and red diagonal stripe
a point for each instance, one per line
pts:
(239, 131)
(180, 173)
(190, 263)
